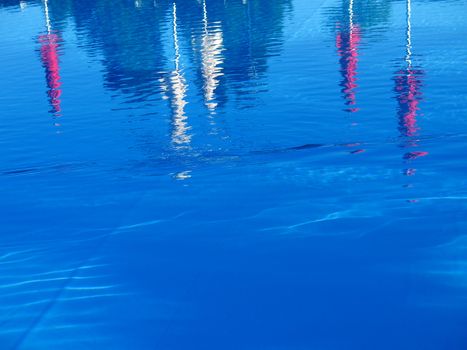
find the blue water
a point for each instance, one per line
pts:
(233, 174)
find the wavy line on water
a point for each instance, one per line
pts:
(23, 283)
(84, 297)
(55, 271)
(330, 217)
(50, 302)
(72, 276)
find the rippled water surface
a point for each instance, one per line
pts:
(233, 174)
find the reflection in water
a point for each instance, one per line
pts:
(127, 39)
(187, 52)
(13, 3)
(252, 33)
(372, 15)
(236, 42)
(408, 94)
(242, 223)
(347, 40)
(178, 87)
(50, 60)
(212, 60)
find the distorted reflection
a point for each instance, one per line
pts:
(212, 59)
(347, 40)
(232, 42)
(13, 3)
(408, 83)
(211, 186)
(178, 89)
(183, 175)
(252, 34)
(50, 60)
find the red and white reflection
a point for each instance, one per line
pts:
(49, 54)
(347, 41)
(408, 89)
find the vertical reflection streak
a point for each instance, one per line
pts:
(47, 16)
(408, 94)
(179, 87)
(211, 54)
(408, 57)
(347, 41)
(409, 87)
(50, 61)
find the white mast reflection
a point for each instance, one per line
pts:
(47, 17)
(408, 57)
(212, 60)
(180, 136)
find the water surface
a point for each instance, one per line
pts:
(238, 174)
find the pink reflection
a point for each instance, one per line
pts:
(415, 155)
(49, 56)
(347, 47)
(408, 95)
(408, 89)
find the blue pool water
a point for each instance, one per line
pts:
(233, 174)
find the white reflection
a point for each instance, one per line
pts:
(408, 57)
(47, 17)
(179, 89)
(212, 60)
(184, 175)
